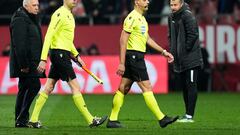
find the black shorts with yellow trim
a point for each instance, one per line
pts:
(61, 65)
(135, 66)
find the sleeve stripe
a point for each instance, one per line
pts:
(131, 24)
(56, 24)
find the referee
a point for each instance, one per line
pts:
(59, 40)
(132, 67)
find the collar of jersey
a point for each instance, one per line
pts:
(138, 14)
(64, 8)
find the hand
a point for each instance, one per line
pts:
(169, 56)
(121, 69)
(41, 66)
(81, 61)
(25, 70)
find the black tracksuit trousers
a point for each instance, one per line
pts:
(28, 88)
(188, 83)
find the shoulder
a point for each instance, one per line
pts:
(187, 14)
(20, 17)
(20, 13)
(58, 13)
(131, 16)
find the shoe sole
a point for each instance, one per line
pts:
(179, 121)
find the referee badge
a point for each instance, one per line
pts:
(61, 55)
(133, 56)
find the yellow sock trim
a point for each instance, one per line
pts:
(117, 104)
(80, 103)
(38, 106)
(152, 104)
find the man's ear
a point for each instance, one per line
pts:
(136, 2)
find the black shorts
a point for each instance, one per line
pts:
(61, 65)
(135, 67)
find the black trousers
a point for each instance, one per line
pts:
(187, 81)
(28, 88)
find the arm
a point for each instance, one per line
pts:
(123, 47)
(75, 56)
(191, 30)
(19, 42)
(164, 52)
(169, 31)
(53, 27)
(74, 51)
(77, 59)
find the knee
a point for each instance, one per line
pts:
(35, 86)
(49, 88)
(124, 89)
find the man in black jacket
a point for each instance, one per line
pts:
(184, 45)
(25, 52)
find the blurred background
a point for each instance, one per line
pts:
(98, 27)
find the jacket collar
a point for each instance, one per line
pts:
(23, 12)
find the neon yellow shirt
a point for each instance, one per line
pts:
(136, 24)
(60, 33)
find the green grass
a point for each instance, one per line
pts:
(216, 113)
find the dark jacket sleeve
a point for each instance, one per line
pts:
(169, 32)
(191, 29)
(19, 38)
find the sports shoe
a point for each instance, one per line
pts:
(34, 124)
(98, 121)
(167, 120)
(114, 124)
(185, 119)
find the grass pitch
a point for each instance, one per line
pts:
(216, 113)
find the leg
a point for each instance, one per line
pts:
(20, 96)
(22, 88)
(183, 81)
(79, 101)
(153, 105)
(32, 91)
(118, 99)
(82, 107)
(49, 86)
(191, 86)
(150, 99)
(190, 94)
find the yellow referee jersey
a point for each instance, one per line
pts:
(136, 24)
(60, 33)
